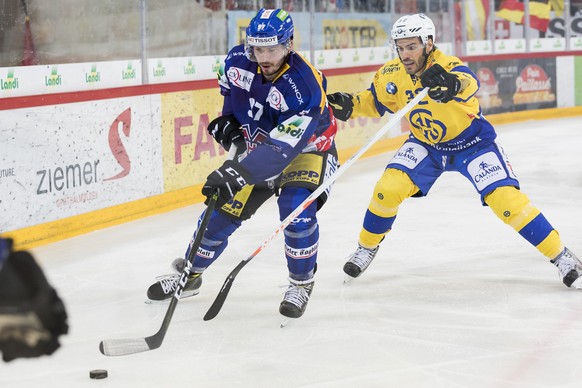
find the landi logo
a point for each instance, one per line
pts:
(94, 76)
(10, 83)
(54, 79)
(189, 69)
(129, 72)
(216, 66)
(160, 70)
(116, 145)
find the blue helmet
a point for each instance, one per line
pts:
(269, 27)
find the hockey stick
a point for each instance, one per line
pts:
(223, 293)
(120, 347)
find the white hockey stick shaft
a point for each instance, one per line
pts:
(395, 119)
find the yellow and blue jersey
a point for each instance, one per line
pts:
(448, 127)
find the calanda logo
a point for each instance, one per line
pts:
(407, 153)
(486, 169)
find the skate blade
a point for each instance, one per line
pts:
(149, 301)
(577, 284)
(285, 321)
(185, 295)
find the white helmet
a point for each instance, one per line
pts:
(417, 25)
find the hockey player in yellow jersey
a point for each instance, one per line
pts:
(447, 133)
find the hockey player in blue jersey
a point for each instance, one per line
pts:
(448, 133)
(275, 102)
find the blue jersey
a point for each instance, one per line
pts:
(280, 118)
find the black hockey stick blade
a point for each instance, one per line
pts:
(122, 347)
(219, 301)
(223, 293)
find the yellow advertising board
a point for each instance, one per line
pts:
(189, 153)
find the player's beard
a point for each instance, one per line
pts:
(270, 69)
(413, 67)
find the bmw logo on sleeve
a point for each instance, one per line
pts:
(391, 88)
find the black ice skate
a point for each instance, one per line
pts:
(359, 261)
(570, 269)
(165, 286)
(296, 297)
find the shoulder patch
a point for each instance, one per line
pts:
(240, 78)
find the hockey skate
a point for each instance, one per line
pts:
(570, 269)
(359, 261)
(165, 286)
(295, 300)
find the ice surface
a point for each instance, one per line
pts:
(455, 298)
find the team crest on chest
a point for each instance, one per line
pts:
(254, 138)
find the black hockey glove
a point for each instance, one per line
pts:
(341, 104)
(230, 178)
(32, 316)
(226, 130)
(443, 86)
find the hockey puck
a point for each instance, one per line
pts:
(98, 374)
